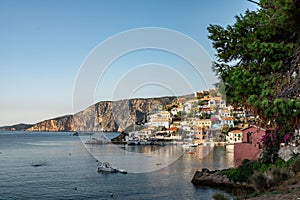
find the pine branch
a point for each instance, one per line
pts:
(254, 2)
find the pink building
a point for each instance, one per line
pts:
(251, 146)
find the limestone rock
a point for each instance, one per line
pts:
(64, 123)
(107, 116)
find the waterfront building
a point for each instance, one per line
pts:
(234, 136)
(159, 119)
(251, 146)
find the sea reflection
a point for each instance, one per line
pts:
(148, 158)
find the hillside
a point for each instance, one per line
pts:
(107, 116)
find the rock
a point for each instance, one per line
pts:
(106, 116)
(64, 123)
(120, 139)
(205, 170)
(116, 116)
(205, 177)
(285, 153)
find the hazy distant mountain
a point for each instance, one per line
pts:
(17, 127)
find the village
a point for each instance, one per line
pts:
(207, 119)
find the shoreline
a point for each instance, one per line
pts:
(213, 179)
(289, 189)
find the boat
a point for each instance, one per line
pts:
(106, 167)
(188, 145)
(122, 171)
(133, 141)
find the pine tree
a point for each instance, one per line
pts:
(258, 62)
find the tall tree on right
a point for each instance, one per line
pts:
(259, 65)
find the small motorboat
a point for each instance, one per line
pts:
(122, 171)
(106, 167)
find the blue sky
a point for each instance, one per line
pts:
(43, 44)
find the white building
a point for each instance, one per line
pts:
(225, 112)
(217, 102)
(159, 122)
(189, 105)
(235, 136)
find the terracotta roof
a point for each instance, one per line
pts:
(225, 111)
(206, 109)
(228, 118)
(236, 131)
(172, 129)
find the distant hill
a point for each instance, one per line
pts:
(110, 116)
(17, 127)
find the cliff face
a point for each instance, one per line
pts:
(65, 123)
(117, 115)
(105, 116)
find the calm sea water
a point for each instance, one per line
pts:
(58, 166)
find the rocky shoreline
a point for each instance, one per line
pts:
(214, 179)
(289, 189)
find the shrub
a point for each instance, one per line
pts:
(260, 181)
(278, 176)
(220, 196)
(243, 173)
(296, 164)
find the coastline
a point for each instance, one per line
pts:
(289, 189)
(213, 178)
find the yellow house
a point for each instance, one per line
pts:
(203, 123)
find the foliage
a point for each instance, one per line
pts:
(244, 173)
(296, 165)
(256, 60)
(220, 196)
(278, 176)
(260, 181)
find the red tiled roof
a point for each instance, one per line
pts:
(236, 131)
(172, 129)
(227, 118)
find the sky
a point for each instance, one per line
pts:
(46, 46)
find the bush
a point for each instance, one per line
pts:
(278, 176)
(244, 172)
(220, 196)
(260, 181)
(296, 165)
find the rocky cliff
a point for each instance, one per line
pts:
(117, 115)
(107, 116)
(64, 123)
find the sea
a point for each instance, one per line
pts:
(59, 165)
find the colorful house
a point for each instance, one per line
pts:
(251, 146)
(200, 134)
(228, 121)
(234, 136)
(203, 123)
